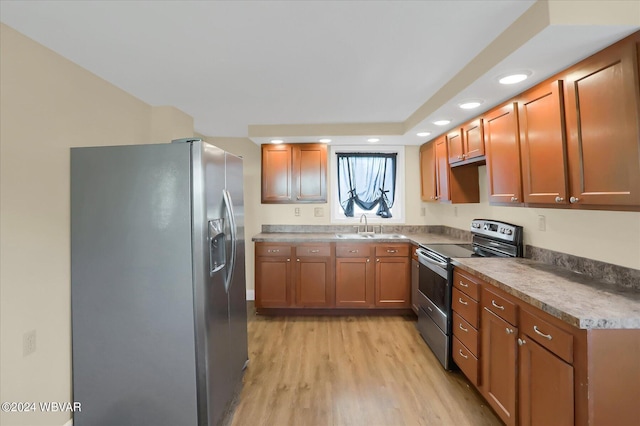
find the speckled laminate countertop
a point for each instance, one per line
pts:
(307, 237)
(574, 298)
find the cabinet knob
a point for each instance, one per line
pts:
(460, 157)
(514, 199)
(521, 341)
(288, 260)
(436, 197)
(433, 198)
(297, 260)
(377, 260)
(574, 200)
(464, 156)
(368, 260)
(559, 199)
(509, 330)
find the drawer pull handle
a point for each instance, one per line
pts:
(463, 284)
(462, 301)
(353, 251)
(466, 330)
(392, 251)
(495, 305)
(429, 308)
(314, 251)
(546, 336)
(273, 251)
(462, 354)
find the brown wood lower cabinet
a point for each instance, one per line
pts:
(354, 276)
(330, 275)
(499, 351)
(392, 276)
(545, 385)
(535, 369)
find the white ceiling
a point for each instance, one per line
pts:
(235, 64)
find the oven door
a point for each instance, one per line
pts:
(433, 282)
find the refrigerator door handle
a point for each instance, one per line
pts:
(232, 224)
(217, 255)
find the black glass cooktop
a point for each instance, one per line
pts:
(452, 250)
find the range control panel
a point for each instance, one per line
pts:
(497, 230)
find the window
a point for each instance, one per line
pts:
(367, 181)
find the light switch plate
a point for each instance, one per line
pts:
(542, 223)
(318, 212)
(297, 211)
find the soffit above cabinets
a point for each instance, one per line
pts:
(300, 71)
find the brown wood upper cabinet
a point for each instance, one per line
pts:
(466, 143)
(543, 144)
(428, 172)
(440, 182)
(602, 110)
(294, 173)
(502, 144)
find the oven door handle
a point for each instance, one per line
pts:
(426, 258)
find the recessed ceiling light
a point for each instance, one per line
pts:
(471, 104)
(276, 141)
(442, 122)
(373, 140)
(325, 140)
(423, 134)
(514, 78)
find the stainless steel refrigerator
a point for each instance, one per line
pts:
(158, 295)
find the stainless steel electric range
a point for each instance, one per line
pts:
(490, 239)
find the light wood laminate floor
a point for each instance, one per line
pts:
(352, 370)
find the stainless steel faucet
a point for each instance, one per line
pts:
(366, 225)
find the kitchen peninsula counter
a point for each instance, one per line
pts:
(576, 299)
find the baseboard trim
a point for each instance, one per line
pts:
(251, 295)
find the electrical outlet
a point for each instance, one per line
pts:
(297, 211)
(542, 223)
(318, 212)
(28, 342)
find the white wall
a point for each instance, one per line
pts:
(48, 104)
(612, 237)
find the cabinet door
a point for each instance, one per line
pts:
(393, 282)
(499, 367)
(503, 154)
(442, 170)
(428, 172)
(543, 144)
(602, 112)
(273, 282)
(546, 386)
(276, 174)
(314, 283)
(455, 144)
(354, 282)
(310, 173)
(473, 134)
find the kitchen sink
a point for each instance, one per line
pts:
(370, 236)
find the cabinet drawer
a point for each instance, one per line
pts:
(499, 306)
(353, 250)
(466, 361)
(466, 283)
(466, 307)
(305, 250)
(273, 250)
(548, 335)
(397, 250)
(467, 334)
